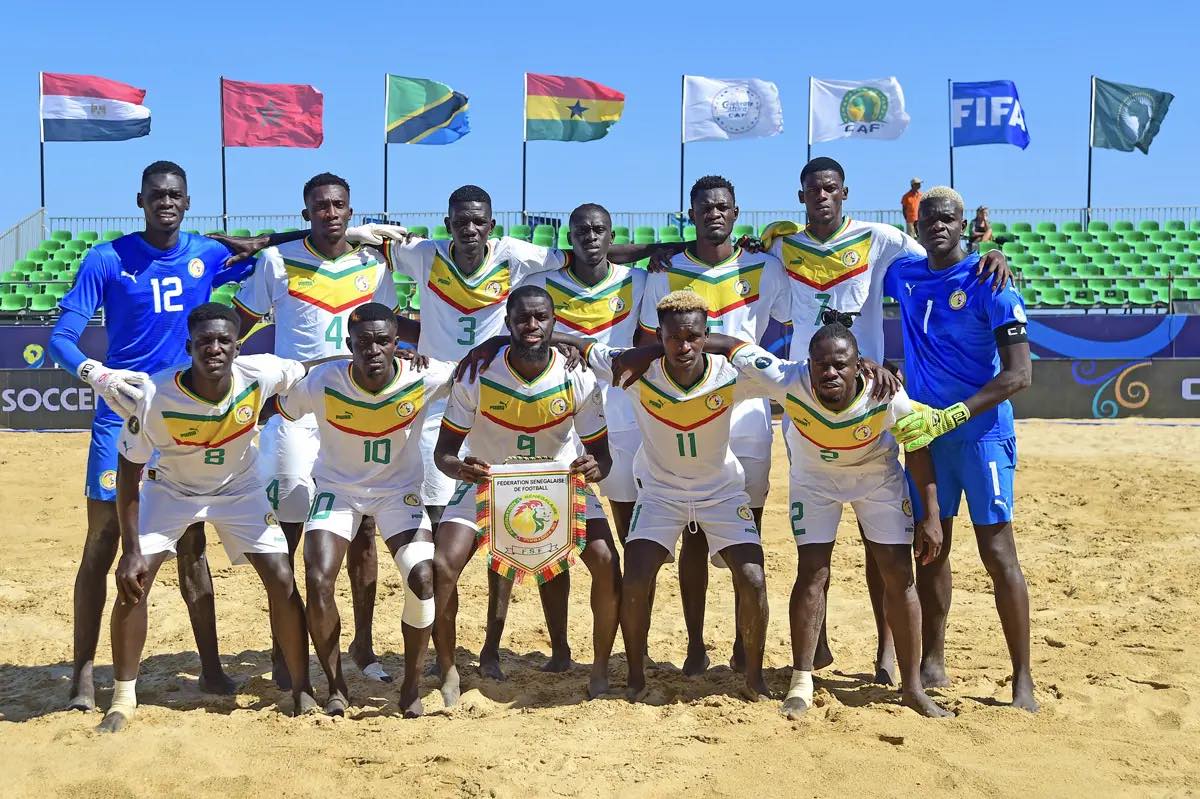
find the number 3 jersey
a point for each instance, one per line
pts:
(503, 415)
(203, 448)
(368, 446)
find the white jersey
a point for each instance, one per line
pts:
(367, 444)
(743, 293)
(844, 272)
(819, 438)
(607, 313)
(503, 415)
(460, 311)
(201, 448)
(685, 452)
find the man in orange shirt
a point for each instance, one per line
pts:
(908, 204)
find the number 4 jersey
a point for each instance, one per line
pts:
(367, 444)
(203, 448)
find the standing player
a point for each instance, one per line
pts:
(311, 285)
(369, 464)
(526, 403)
(147, 283)
(194, 428)
(689, 481)
(742, 291)
(841, 451)
(965, 350)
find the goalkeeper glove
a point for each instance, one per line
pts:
(120, 388)
(377, 234)
(925, 424)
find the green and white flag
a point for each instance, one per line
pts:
(1125, 117)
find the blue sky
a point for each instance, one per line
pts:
(1049, 49)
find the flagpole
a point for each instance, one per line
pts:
(385, 148)
(808, 153)
(950, 123)
(41, 143)
(682, 136)
(224, 202)
(1091, 144)
(524, 141)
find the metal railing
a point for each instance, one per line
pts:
(22, 237)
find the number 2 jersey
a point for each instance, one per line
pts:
(503, 415)
(369, 440)
(203, 448)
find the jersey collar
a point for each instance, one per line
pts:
(516, 375)
(689, 389)
(841, 229)
(399, 363)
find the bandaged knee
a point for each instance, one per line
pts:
(801, 687)
(124, 698)
(418, 612)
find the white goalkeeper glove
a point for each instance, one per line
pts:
(377, 234)
(120, 388)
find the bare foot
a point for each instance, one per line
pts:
(337, 704)
(636, 690)
(823, 657)
(885, 673)
(696, 662)
(450, 687)
(114, 721)
(220, 684)
(83, 700)
(597, 683)
(489, 666)
(755, 689)
(304, 704)
(1023, 694)
(920, 702)
(794, 708)
(933, 674)
(558, 663)
(279, 671)
(410, 700)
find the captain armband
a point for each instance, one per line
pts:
(1012, 333)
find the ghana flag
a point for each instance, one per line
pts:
(559, 108)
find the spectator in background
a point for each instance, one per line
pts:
(981, 229)
(908, 204)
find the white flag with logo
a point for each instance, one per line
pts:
(715, 109)
(856, 109)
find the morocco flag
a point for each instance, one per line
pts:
(270, 114)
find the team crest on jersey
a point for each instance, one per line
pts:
(616, 304)
(493, 288)
(713, 401)
(862, 432)
(558, 406)
(243, 414)
(745, 513)
(196, 267)
(271, 519)
(405, 409)
(958, 299)
(412, 500)
(362, 283)
(851, 258)
(742, 287)
(906, 506)
(108, 479)
(1019, 314)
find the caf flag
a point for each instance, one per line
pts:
(1125, 117)
(270, 114)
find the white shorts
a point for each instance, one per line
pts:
(244, 521)
(619, 486)
(879, 496)
(340, 512)
(462, 507)
(724, 522)
(437, 487)
(287, 452)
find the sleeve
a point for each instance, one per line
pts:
(64, 340)
(1005, 314)
(599, 359)
(255, 296)
(589, 413)
(88, 292)
(898, 408)
(297, 401)
(781, 301)
(766, 375)
(215, 254)
(408, 258)
(654, 291)
(895, 244)
(277, 375)
(529, 258)
(439, 377)
(460, 408)
(385, 292)
(134, 443)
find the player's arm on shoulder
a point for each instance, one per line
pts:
(256, 297)
(529, 258)
(660, 253)
(765, 374)
(457, 422)
(592, 428)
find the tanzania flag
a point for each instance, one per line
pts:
(421, 111)
(558, 108)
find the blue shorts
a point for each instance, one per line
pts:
(101, 482)
(982, 469)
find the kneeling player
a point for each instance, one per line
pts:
(524, 404)
(368, 465)
(841, 451)
(196, 426)
(688, 481)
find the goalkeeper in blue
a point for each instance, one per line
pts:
(966, 352)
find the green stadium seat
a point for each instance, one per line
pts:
(1174, 225)
(1120, 247)
(1066, 248)
(689, 232)
(1084, 297)
(290, 230)
(1092, 249)
(1134, 237)
(1107, 237)
(1194, 247)
(742, 230)
(1082, 238)
(267, 231)
(1021, 259)
(27, 289)
(111, 235)
(1113, 296)
(1103, 258)
(1069, 284)
(1029, 295)
(62, 236)
(51, 245)
(1114, 269)
(1012, 249)
(642, 231)
(1186, 258)
(1144, 269)
(1147, 225)
(1072, 227)
(43, 303)
(522, 232)
(214, 230)
(544, 229)
(1159, 237)
(440, 233)
(13, 303)
(1174, 247)
(497, 232)
(76, 246)
(1052, 237)
(564, 241)
(620, 230)
(1145, 298)
(1098, 283)
(1194, 225)
(1040, 249)
(1186, 236)
(1097, 226)
(1159, 259)
(1053, 296)
(11, 277)
(1033, 270)
(1193, 270)
(987, 246)
(1088, 269)
(414, 301)
(241, 232)
(1145, 248)
(999, 228)
(543, 240)
(1160, 284)
(643, 238)
(90, 236)
(1122, 226)
(1045, 227)
(419, 230)
(1061, 271)
(621, 240)
(1127, 284)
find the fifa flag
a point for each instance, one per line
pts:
(1125, 117)
(987, 113)
(559, 108)
(420, 111)
(271, 114)
(88, 108)
(716, 109)
(856, 109)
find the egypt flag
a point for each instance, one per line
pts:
(88, 108)
(558, 108)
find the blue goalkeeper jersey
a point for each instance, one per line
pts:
(147, 294)
(950, 320)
